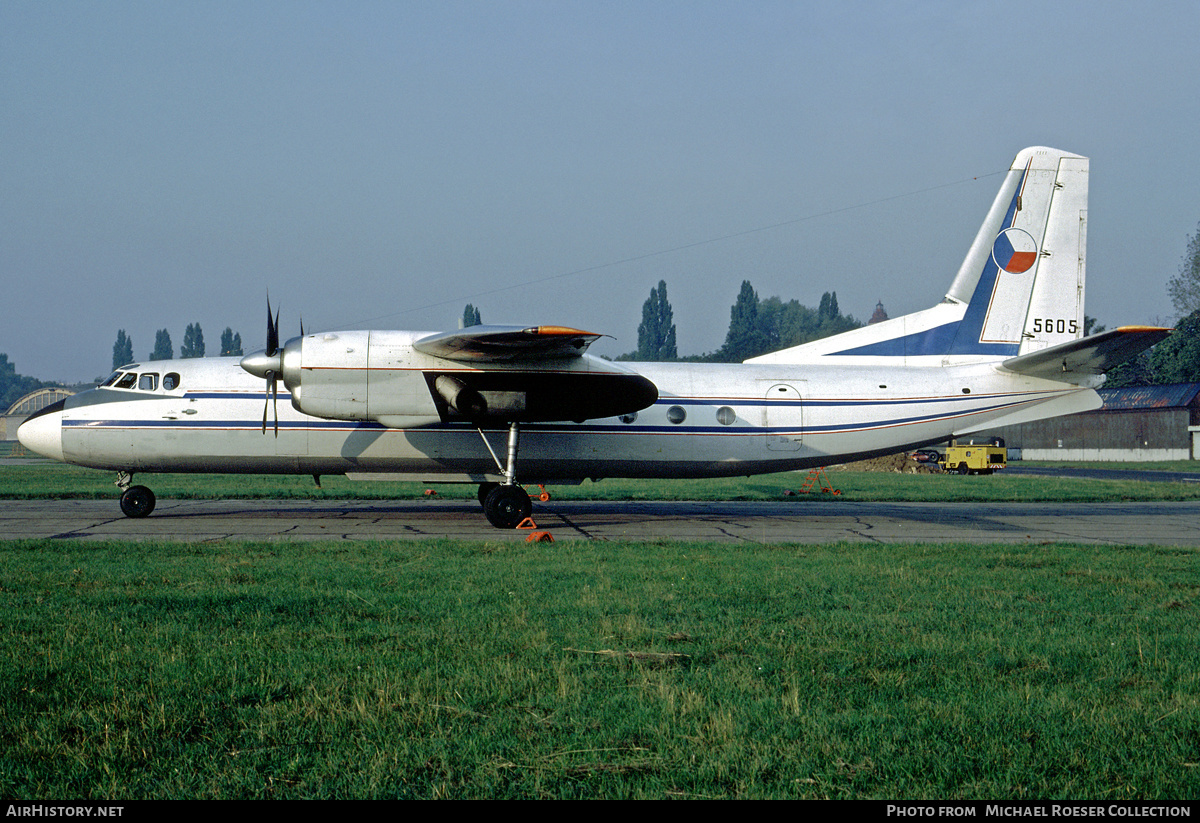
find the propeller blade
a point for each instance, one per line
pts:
(271, 400)
(267, 400)
(272, 330)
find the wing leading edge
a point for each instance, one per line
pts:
(489, 344)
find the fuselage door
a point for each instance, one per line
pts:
(782, 417)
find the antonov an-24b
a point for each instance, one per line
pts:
(495, 405)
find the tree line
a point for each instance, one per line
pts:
(193, 345)
(756, 326)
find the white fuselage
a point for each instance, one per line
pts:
(709, 420)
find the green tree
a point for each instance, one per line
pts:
(231, 344)
(1090, 327)
(1135, 372)
(744, 339)
(1184, 288)
(785, 324)
(760, 326)
(14, 386)
(656, 334)
(1177, 359)
(122, 350)
(471, 317)
(163, 350)
(828, 310)
(193, 342)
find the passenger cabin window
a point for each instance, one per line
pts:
(171, 381)
(127, 381)
(148, 381)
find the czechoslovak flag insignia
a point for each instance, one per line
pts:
(1015, 251)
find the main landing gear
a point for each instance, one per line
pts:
(136, 501)
(505, 504)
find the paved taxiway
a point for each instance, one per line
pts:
(808, 521)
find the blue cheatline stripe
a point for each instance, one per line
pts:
(714, 403)
(334, 425)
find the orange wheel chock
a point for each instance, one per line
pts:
(539, 537)
(527, 523)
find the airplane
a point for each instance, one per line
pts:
(502, 406)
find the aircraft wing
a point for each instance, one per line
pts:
(503, 343)
(1088, 355)
(523, 388)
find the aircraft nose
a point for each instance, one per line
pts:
(42, 434)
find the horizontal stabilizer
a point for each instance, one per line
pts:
(489, 344)
(1088, 355)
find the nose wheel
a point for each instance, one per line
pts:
(137, 501)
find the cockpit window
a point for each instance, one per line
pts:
(111, 379)
(148, 381)
(127, 381)
(171, 381)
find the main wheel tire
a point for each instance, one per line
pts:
(484, 490)
(506, 506)
(962, 469)
(137, 501)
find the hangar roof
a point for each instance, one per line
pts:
(1136, 398)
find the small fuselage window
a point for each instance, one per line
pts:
(171, 381)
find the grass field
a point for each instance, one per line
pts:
(593, 669)
(598, 670)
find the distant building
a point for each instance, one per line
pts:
(879, 316)
(1135, 423)
(35, 401)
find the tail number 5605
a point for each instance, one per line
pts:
(1059, 326)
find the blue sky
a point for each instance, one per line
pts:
(382, 164)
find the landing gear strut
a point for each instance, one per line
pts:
(136, 501)
(505, 504)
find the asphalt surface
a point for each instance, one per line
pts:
(806, 521)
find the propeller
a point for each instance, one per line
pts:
(268, 365)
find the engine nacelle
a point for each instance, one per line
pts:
(357, 375)
(380, 376)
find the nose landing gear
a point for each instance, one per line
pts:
(136, 501)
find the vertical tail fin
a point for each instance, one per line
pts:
(1025, 272)
(1020, 288)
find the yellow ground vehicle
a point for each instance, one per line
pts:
(975, 457)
